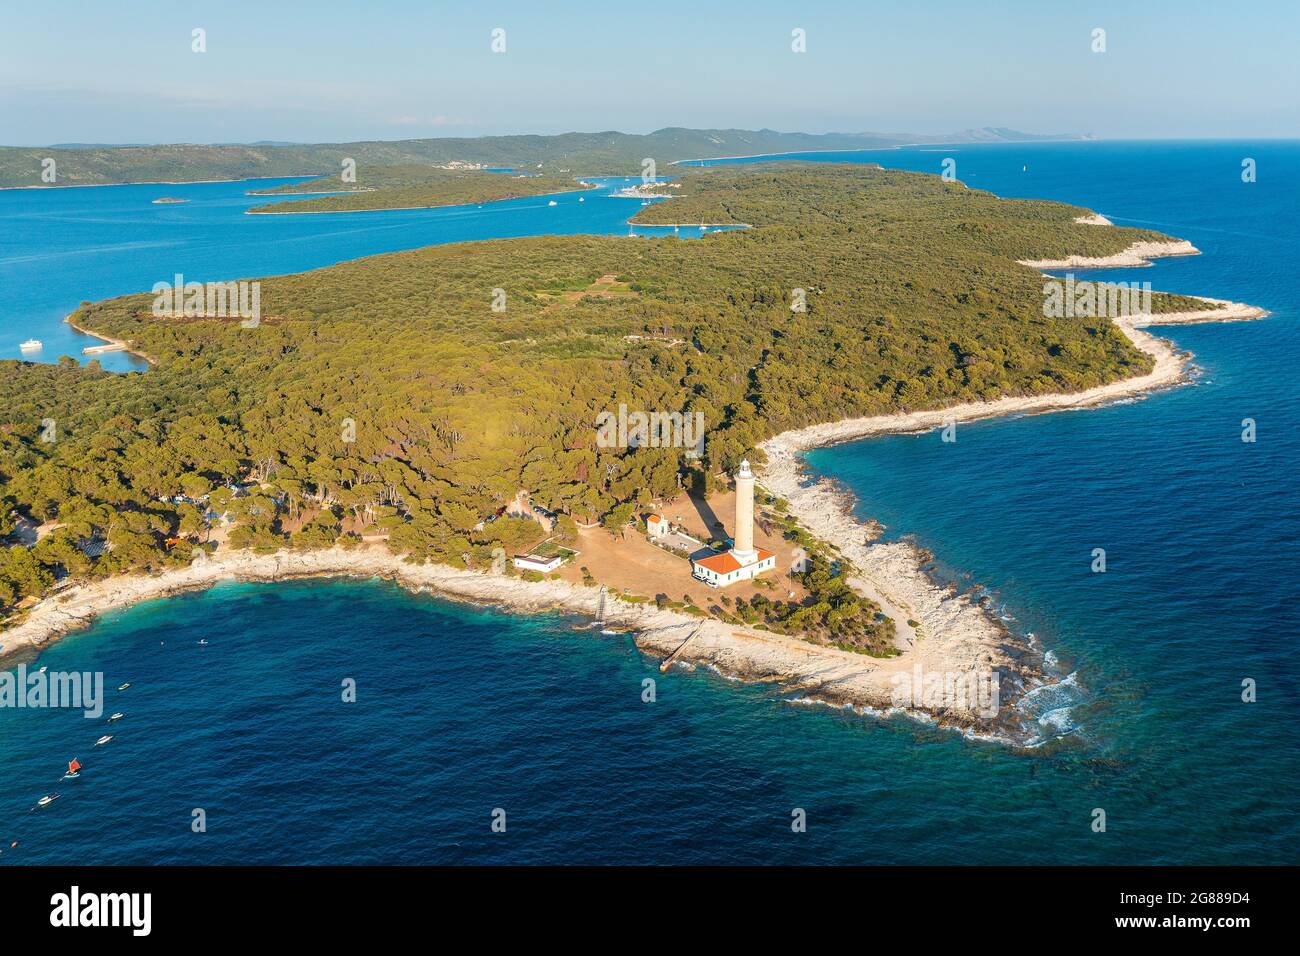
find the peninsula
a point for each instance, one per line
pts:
(861, 301)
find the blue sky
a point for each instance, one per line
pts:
(123, 71)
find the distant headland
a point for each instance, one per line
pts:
(600, 154)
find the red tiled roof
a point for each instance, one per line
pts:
(724, 563)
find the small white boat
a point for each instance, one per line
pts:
(117, 716)
(46, 800)
(31, 345)
(103, 740)
(202, 641)
(552, 203)
(124, 687)
(582, 199)
(42, 670)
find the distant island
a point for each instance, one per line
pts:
(428, 414)
(606, 153)
(169, 199)
(411, 187)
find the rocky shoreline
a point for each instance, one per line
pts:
(940, 631)
(1137, 254)
(827, 673)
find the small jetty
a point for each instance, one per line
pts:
(600, 608)
(106, 347)
(667, 661)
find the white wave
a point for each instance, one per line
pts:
(1050, 688)
(1060, 718)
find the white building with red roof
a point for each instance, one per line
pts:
(742, 561)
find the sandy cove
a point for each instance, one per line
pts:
(123, 345)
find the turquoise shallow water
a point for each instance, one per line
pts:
(462, 710)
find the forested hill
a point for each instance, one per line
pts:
(389, 393)
(607, 153)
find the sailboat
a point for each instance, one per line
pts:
(74, 769)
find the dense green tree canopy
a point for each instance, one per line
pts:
(388, 393)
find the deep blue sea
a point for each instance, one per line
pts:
(461, 710)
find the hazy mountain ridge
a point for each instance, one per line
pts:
(601, 153)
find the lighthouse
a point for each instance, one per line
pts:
(742, 560)
(743, 541)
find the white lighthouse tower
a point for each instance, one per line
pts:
(742, 561)
(742, 548)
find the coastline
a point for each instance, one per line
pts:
(939, 630)
(1169, 369)
(1223, 310)
(122, 343)
(167, 182)
(323, 212)
(954, 633)
(1136, 255)
(690, 225)
(822, 672)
